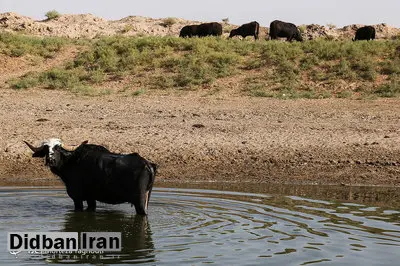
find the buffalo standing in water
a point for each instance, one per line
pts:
(91, 172)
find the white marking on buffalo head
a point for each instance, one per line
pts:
(51, 143)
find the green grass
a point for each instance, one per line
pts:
(138, 92)
(312, 69)
(16, 45)
(27, 81)
(390, 89)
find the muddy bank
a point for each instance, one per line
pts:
(211, 138)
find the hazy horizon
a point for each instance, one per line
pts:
(339, 13)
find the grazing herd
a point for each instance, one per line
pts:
(202, 30)
(277, 29)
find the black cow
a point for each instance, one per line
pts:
(91, 172)
(188, 31)
(209, 29)
(284, 30)
(365, 33)
(248, 29)
(202, 30)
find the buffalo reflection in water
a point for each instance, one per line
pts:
(137, 242)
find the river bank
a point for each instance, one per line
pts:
(196, 138)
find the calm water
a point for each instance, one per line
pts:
(297, 226)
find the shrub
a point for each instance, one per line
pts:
(221, 63)
(344, 94)
(29, 80)
(391, 89)
(17, 45)
(58, 78)
(126, 28)
(390, 67)
(168, 22)
(17, 52)
(256, 89)
(302, 28)
(138, 92)
(161, 82)
(343, 70)
(52, 14)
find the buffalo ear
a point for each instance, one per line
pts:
(155, 166)
(41, 153)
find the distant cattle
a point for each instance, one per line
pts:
(188, 31)
(248, 29)
(365, 33)
(284, 30)
(202, 30)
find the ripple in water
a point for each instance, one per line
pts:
(193, 227)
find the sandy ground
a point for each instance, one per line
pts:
(211, 138)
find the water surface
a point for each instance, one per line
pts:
(221, 225)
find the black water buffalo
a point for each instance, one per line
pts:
(284, 30)
(91, 172)
(202, 30)
(209, 29)
(248, 29)
(365, 33)
(188, 31)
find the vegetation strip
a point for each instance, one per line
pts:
(313, 69)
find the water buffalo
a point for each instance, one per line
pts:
(202, 30)
(188, 31)
(365, 33)
(284, 30)
(248, 29)
(91, 172)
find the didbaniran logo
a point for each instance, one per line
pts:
(43, 242)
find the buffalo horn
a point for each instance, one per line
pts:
(72, 148)
(33, 148)
(69, 148)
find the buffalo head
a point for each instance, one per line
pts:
(233, 33)
(53, 150)
(298, 37)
